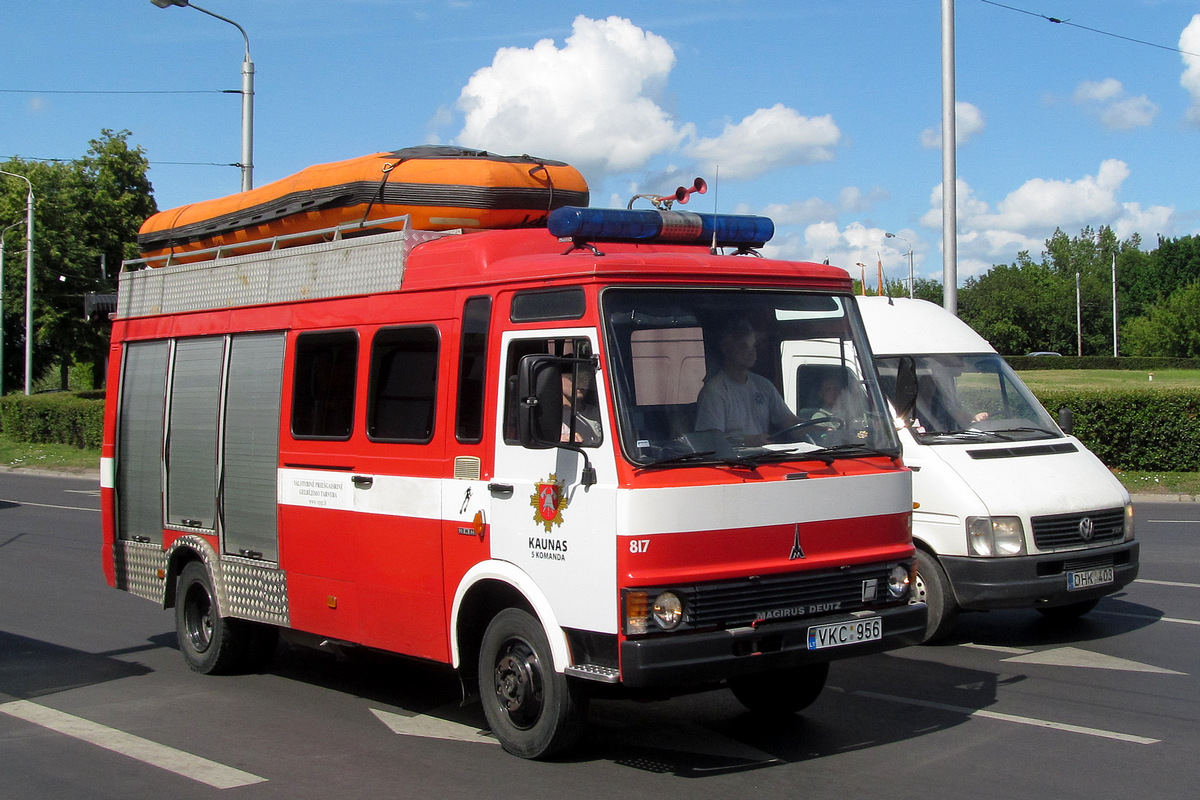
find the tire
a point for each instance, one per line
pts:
(534, 711)
(211, 644)
(782, 692)
(933, 587)
(1069, 611)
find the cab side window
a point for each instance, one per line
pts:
(402, 394)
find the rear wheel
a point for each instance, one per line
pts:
(210, 644)
(780, 692)
(933, 588)
(534, 711)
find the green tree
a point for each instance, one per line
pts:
(1169, 328)
(87, 213)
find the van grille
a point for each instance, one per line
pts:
(795, 594)
(1055, 531)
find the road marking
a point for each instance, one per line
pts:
(1077, 657)
(996, 715)
(1168, 583)
(198, 769)
(432, 728)
(49, 505)
(1170, 521)
(1149, 617)
(996, 648)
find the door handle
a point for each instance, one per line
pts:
(362, 481)
(501, 490)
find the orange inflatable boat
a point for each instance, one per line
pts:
(438, 187)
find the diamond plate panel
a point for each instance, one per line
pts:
(137, 567)
(256, 592)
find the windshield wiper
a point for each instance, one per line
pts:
(1026, 429)
(828, 454)
(701, 457)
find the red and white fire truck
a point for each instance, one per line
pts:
(481, 448)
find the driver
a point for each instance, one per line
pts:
(741, 404)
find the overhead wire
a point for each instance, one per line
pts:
(1059, 21)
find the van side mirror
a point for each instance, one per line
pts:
(539, 401)
(906, 386)
(1066, 420)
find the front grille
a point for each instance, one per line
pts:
(794, 594)
(1056, 531)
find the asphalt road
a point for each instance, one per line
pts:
(96, 702)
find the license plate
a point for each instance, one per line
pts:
(1088, 578)
(843, 633)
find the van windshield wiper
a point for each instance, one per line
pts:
(700, 457)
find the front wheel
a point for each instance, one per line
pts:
(933, 588)
(534, 711)
(780, 692)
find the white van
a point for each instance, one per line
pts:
(1009, 511)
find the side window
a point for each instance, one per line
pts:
(323, 385)
(472, 362)
(403, 385)
(581, 406)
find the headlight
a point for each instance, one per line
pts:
(898, 581)
(668, 611)
(995, 536)
(1129, 523)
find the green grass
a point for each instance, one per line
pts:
(1110, 379)
(55, 457)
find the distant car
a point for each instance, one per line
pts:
(1045, 353)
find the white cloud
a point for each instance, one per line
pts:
(851, 200)
(1117, 111)
(968, 123)
(1189, 40)
(1028, 215)
(588, 102)
(767, 139)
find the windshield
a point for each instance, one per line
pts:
(972, 397)
(741, 377)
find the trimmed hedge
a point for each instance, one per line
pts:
(75, 419)
(1151, 430)
(1137, 363)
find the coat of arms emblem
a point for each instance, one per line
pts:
(548, 501)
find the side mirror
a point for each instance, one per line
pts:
(906, 387)
(539, 401)
(1066, 420)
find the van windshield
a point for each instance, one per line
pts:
(970, 397)
(741, 377)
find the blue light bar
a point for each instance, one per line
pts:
(621, 225)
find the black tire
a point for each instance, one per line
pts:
(1069, 611)
(534, 711)
(211, 644)
(782, 692)
(933, 588)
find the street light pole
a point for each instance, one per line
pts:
(910, 259)
(28, 281)
(247, 92)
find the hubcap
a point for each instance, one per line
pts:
(198, 616)
(519, 687)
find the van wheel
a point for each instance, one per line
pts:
(1069, 611)
(211, 644)
(933, 588)
(534, 711)
(781, 692)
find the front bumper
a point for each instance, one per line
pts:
(697, 658)
(1036, 581)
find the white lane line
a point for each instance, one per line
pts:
(49, 505)
(432, 728)
(1039, 723)
(1078, 657)
(1149, 617)
(198, 769)
(1168, 583)
(1020, 651)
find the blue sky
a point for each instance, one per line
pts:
(823, 114)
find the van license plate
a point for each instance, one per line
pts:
(1086, 579)
(842, 633)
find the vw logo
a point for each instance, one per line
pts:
(1087, 529)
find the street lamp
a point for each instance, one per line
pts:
(247, 93)
(910, 259)
(28, 281)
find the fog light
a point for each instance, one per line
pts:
(898, 581)
(668, 611)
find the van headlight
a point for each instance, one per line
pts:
(992, 537)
